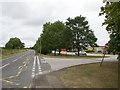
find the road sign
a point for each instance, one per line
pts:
(63, 49)
(106, 45)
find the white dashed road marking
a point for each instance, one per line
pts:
(33, 70)
(36, 59)
(39, 67)
(14, 60)
(4, 65)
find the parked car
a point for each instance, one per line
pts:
(81, 53)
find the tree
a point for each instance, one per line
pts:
(82, 36)
(37, 45)
(55, 36)
(14, 43)
(111, 10)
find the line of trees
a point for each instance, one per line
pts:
(55, 36)
(74, 33)
(14, 43)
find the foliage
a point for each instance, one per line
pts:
(55, 36)
(111, 10)
(75, 33)
(82, 35)
(9, 52)
(14, 43)
(37, 45)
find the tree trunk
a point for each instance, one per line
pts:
(59, 51)
(78, 51)
(55, 53)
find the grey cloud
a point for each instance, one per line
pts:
(25, 19)
(29, 39)
(33, 22)
(92, 6)
(15, 10)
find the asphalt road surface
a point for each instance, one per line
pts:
(21, 70)
(25, 70)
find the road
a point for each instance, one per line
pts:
(20, 71)
(25, 70)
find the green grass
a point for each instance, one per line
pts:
(72, 56)
(91, 76)
(9, 52)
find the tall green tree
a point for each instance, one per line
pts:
(37, 45)
(55, 36)
(82, 35)
(14, 43)
(111, 10)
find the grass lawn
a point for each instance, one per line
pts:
(9, 52)
(72, 56)
(90, 76)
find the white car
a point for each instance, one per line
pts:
(81, 53)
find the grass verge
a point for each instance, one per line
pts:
(90, 76)
(9, 52)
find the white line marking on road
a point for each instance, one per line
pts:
(4, 65)
(19, 67)
(36, 60)
(10, 82)
(33, 69)
(40, 72)
(10, 77)
(14, 60)
(33, 75)
(30, 85)
(19, 72)
(39, 67)
(18, 58)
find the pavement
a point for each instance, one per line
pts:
(27, 70)
(60, 63)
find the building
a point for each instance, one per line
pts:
(95, 49)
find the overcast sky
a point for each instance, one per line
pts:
(24, 19)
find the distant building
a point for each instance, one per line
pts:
(95, 49)
(98, 49)
(90, 48)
